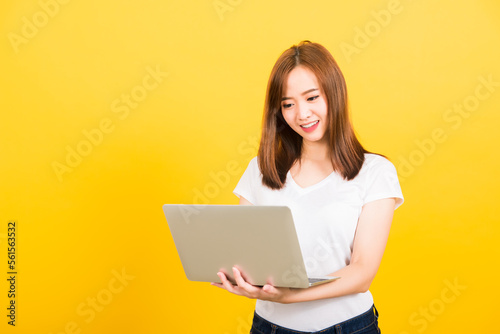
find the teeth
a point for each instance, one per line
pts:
(309, 125)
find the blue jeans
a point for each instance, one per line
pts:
(365, 323)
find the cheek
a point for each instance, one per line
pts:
(287, 116)
(324, 110)
(324, 105)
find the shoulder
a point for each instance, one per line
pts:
(374, 162)
(379, 179)
(375, 159)
(253, 165)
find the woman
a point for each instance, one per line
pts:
(342, 199)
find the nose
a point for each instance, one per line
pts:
(303, 111)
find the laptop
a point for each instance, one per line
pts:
(259, 240)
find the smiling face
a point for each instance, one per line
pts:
(304, 107)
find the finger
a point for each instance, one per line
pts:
(240, 280)
(247, 289)
(268, 288)
(225, 282)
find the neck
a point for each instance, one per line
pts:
(315, 151)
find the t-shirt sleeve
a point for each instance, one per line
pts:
(248, 180)
(382, 182)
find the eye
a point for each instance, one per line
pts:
(287, 105)
(312, 98)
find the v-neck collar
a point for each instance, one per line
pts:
(311, 187)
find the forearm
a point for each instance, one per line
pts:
(369, 245)
(354, 279)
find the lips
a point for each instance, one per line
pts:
(309, 125)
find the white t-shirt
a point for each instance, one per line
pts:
(325, 215)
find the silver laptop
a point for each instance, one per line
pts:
(259, 240)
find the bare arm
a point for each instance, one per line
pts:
(369, 244)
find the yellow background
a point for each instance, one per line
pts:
(104, 216)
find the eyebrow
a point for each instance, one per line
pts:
(304, 93)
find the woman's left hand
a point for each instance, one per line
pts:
(243, 288)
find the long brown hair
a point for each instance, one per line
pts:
(280, 146)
